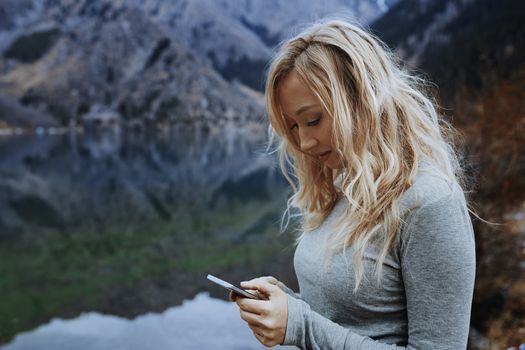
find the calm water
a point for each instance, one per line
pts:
(106, 238)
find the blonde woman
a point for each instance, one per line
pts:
(386, 258)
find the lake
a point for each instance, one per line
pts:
(106, 237)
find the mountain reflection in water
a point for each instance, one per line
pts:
(202, 323)
(127, 224)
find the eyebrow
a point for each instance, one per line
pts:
(304, 109)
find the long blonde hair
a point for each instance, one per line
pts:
(383, 125)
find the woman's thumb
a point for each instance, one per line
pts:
(261, 286)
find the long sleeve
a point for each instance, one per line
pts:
(309, 330)
(437, 256)
(439, 266)
(288, 290)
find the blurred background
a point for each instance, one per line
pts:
(133, 161)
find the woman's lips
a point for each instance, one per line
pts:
(324, 156)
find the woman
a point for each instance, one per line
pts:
(386, 258)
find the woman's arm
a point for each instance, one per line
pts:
(438, 268)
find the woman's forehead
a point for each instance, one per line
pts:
(295, 97)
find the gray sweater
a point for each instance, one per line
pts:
(425, 298)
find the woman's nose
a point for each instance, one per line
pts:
(306, 141)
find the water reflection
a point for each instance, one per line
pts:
(126, 224)
(202, 323)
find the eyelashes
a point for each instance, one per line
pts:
(310, 123)
(314, 122)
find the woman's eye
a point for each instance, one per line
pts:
(293, 127)
(314, 122)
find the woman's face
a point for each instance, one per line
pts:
(310, 126)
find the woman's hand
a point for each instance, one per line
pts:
(266, 318)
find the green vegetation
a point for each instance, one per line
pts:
(58, 270)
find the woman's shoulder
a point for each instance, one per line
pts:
(431, 186)
(435, 212)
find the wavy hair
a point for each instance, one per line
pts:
(383, 125)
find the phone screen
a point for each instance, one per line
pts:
(231, 287)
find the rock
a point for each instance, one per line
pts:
(13, 114)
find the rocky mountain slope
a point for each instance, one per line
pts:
(111, 60)
(237, 37)
(146, 61)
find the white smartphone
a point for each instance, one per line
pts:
(231, 287)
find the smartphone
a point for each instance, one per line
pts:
(231, 287)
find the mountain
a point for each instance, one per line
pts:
(458, 43)
(108, 62)
(14, 16)
(237, 37)
(473, 51)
